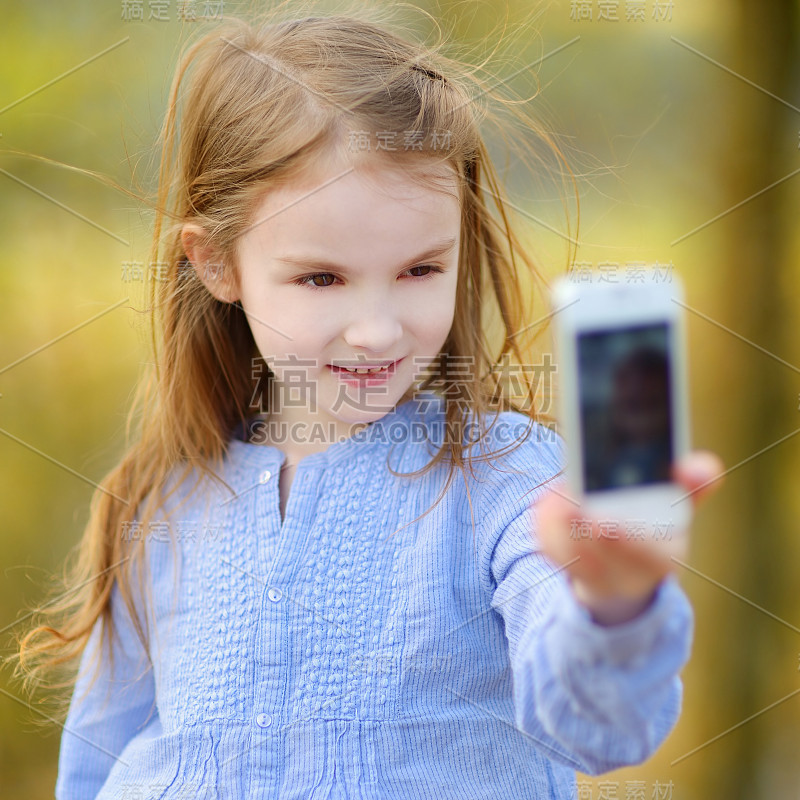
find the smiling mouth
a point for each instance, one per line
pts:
(366, 370)
(362, 371)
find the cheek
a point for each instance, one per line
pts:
(434, 317)
(283, 322)
(303, 351)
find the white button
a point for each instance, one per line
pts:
(274, 595)
(264, 720)
(265, 476)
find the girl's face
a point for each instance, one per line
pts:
(349, 269)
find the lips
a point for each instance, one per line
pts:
(365, 372)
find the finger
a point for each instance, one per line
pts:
(701, 472)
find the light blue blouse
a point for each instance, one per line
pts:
(362, 648)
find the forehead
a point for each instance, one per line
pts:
(343, 199)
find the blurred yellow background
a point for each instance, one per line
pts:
(682, 122)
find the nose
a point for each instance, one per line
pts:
(373, 327)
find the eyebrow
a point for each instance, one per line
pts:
(438, 249)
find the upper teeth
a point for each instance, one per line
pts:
(365, 369)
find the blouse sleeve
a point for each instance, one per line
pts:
(598, 697)
(103, 720)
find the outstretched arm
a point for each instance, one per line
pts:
(595, 657)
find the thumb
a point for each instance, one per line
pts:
(700, 472)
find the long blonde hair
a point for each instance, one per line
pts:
(250, 105)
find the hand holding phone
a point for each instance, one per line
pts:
(631, 483)
(616, 578)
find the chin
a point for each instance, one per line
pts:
(364, 417)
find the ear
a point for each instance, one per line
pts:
(219, 278)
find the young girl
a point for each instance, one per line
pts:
(319, 571)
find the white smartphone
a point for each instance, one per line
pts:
(623, 405)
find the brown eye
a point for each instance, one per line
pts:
(428, 272)
(326, 278)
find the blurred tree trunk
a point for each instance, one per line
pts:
(759, 147)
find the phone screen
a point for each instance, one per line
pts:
(626, 414)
